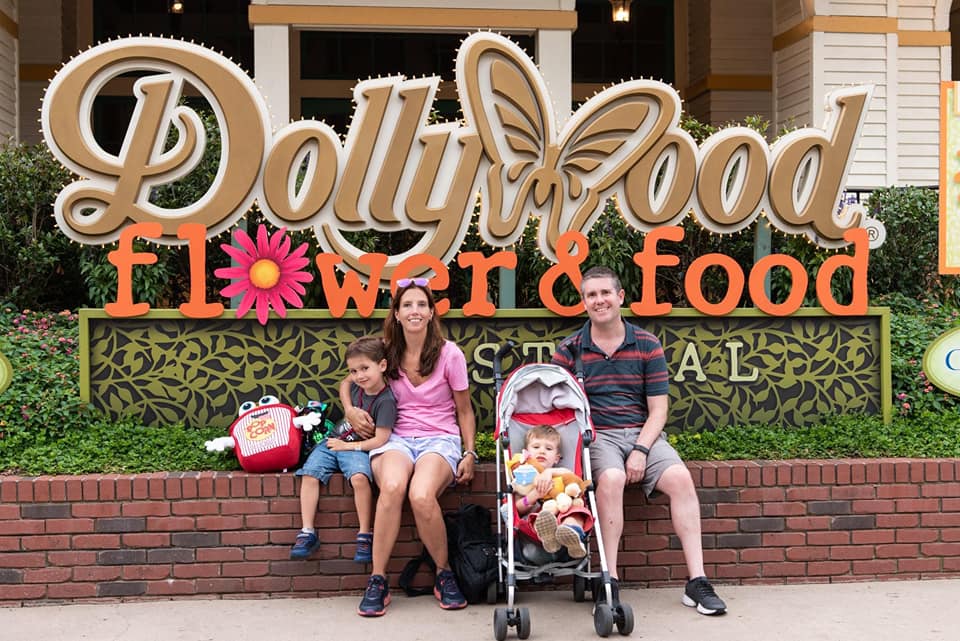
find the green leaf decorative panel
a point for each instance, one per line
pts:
(741, 368)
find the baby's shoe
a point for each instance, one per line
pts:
(304, 546)
(364, 552)
(571, 537)
(546, 527)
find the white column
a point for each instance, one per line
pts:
(271, 69)
(555, 58)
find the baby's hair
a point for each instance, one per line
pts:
(370, 346)
(546, 432)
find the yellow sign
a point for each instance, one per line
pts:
(949, 178)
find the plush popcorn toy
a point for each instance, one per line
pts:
(267, 436)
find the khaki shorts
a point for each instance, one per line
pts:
(612, 448)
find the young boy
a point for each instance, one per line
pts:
(542, 443)
(366, 364)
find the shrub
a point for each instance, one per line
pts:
(37, 260)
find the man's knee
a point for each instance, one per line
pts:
(677, 483)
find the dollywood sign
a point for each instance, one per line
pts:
(394, 172)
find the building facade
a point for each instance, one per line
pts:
(728, 58)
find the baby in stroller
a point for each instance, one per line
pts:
(566, 529)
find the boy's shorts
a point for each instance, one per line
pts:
(613, 446)
(324, 462)
(448, 446)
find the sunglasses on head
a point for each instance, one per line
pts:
(406, 282)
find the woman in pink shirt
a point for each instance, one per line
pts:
(432, 444)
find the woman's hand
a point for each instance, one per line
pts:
(361, 421)
(465, 469)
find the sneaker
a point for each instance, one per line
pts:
(700, 594)
(568, 536)
(304, 546)
(364, 553)
(546, 527)
(448, 592)
(376, 598)
(600, 592)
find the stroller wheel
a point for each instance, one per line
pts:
(603, 620)
(492, 593)
(523, 623)
(500, 624)
(624, 619)
(579, 588)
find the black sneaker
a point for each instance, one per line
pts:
(376, 598)
(448, 592)
(600, 592)
(700, 594)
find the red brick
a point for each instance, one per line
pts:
(171, 490)
(808, 522)
(916, 471)
(58, 488)
(853, 492)
(807, 493)
(941, 549)
(828, 538)
(181, 508)
(219, 586)
(784, 569)
(219, 554)
(146, 508)
(72, 557)
(916, 536)
(254, 485)
(23, 560)
(918, 565)
(8, 489)
(873, 506)
(754, 477)
(329, 584)
(843, 473)
(145, 572)
(58, 526)
(940, 520)
(762, 555)
(74, 489)
(221, 487)
(266, 584)
(207, 523)
(828, 474)
(24, 490)
(852, 552)
(47, 575)
(807, 553)
(941, 489)
(902, 472)
(292, 506)
(246, 569)
(897, 550)
(737, 509)
(171, 587)
(170, 523)
(270, 485)
(24, 592)
(761, 494)
(90, 488)
(196, 570)
(49, 542)
(26, 526)
(724, 477)
(96, 510)
(881, 566)
(872, 472)
(108, 488)
(96, 573)
(828, 568)
(9, 513)
(96, 541)
(124, 488)
(918, 505)
(272, 521)
(909, 520)
(950, 534)
(155, 487)
(948, 471)
(777, 539)
(646, 543)
(244, 507)
(713, 526)
(794, 508)
(41, 490)
(876, 537)
(738, 476)
(9, 543)
(931, 471)
(739, 571)
(72, 591)
(146, 539)
(141, 488)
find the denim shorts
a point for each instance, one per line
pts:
(324, 462)
(447, 446)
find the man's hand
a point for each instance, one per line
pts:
(635, 466)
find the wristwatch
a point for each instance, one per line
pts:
(476, 457)
(637, 447)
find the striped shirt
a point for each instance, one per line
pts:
(617, 385)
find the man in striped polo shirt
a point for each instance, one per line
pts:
(626, 381)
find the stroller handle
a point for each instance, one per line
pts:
(498, 362)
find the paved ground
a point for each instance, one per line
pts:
(896, 610)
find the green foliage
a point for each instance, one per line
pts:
(37, 260)
(926, 435)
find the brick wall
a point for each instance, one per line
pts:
(220, 535)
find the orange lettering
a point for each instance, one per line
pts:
(338, 296)
(124, 258)
(858, 265)
(478, 305)
(691, 284)
(648, 260)
(798, 285)
(197, 306)
(569, 265)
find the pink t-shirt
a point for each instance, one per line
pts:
(428, 409)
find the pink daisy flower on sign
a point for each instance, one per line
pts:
(267, 273)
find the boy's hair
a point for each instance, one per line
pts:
(546, 432)
(370, 346)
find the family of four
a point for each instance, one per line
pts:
(407, 395)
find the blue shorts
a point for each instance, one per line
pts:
(324, 462)
(447, 446)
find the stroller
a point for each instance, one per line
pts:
(544, 394)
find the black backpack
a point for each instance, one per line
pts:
(472, 551)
